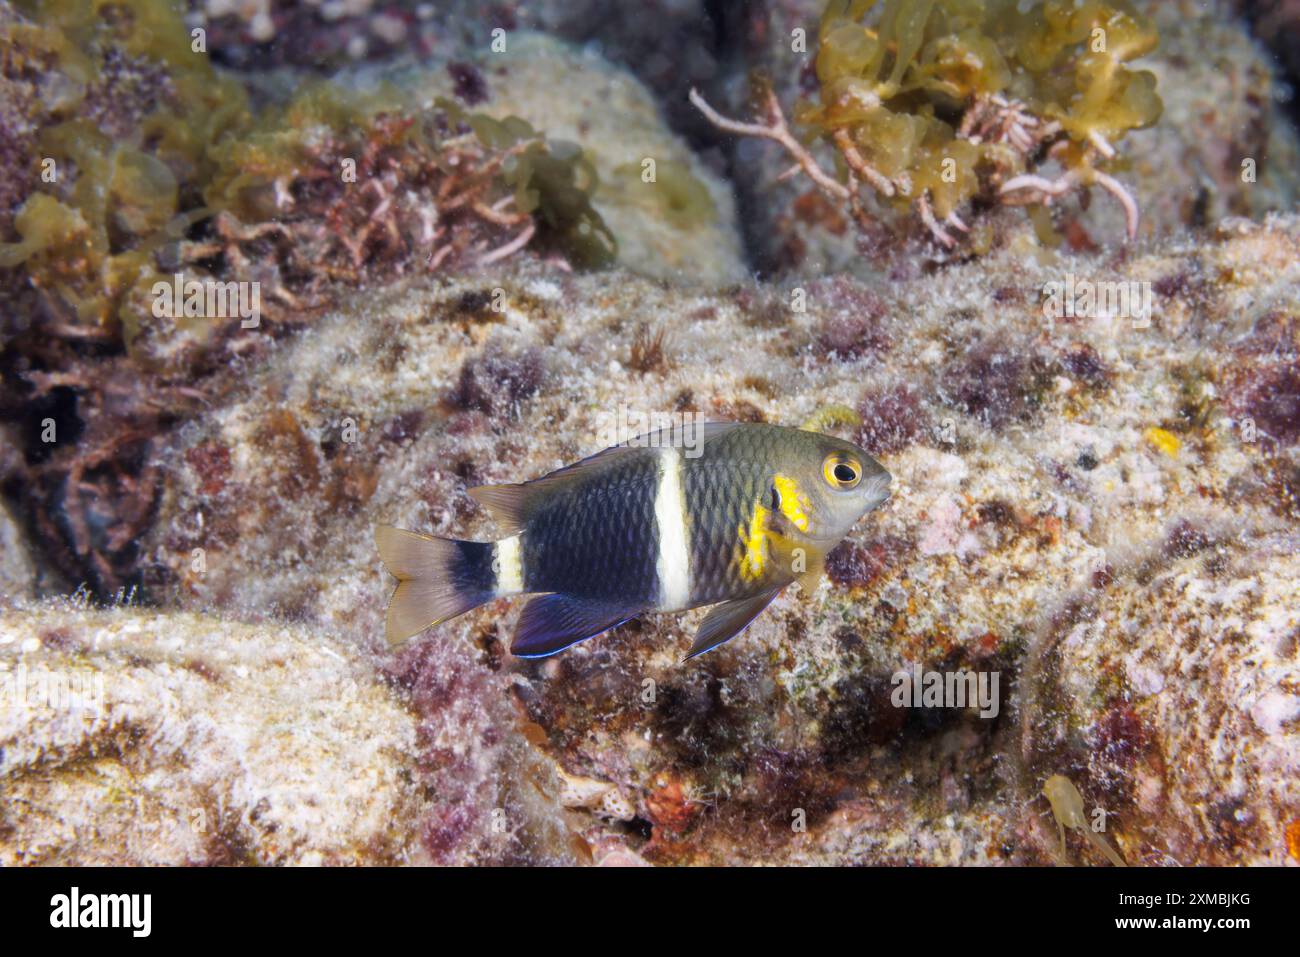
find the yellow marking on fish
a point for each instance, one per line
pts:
(754, 539)
(1164, 440)
(793, 502)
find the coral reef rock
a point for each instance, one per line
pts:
(1200, 662)
(1063, 474)
(133, 737)
(17, 571)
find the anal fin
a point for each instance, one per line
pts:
(551, 623)
(726, 619)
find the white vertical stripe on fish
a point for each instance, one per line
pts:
(673, 564)
(510, 566)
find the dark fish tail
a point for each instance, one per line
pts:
(438, 578)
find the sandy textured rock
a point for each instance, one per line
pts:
(669, 44)
(132, 737)
(20, 578)
(1183, 699)
(1044, 473)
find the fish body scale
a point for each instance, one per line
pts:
(721, 496)
(597, 538)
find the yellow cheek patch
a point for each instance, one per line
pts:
(754, 539)
(794, 504)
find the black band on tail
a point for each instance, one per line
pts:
(438, 578)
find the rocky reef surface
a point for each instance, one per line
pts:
(133, 737)
(1101, 508)
(1076, 508)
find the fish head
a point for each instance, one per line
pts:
(838, 482)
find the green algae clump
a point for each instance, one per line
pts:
(140, 166)
(114, 188)
(947, 98)
(148, 140)
(550, 179)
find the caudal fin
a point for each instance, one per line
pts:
(437, 578)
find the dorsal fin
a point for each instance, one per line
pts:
(507, 504)
(512, 505)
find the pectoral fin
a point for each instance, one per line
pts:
(812, 576)
(551, 623)
(725, 620)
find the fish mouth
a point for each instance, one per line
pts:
(876, 490)
(875, 493)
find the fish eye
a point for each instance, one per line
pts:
(841, 472)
